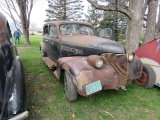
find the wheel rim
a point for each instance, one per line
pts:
(143, 80)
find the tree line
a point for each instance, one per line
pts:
(130, 17)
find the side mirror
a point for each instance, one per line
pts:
(107, 32)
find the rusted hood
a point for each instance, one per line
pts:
(94, 43)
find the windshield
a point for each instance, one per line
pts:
(74, 28)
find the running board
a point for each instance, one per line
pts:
(49, 62)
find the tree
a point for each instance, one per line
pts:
(64, 9)
(134, 13)
(23, 12)
(150, 33)
(94, 16)
(158, 25)
(117, 20)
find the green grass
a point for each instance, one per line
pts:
(47, 100)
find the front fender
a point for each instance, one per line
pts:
(18, 94)
(83, 73)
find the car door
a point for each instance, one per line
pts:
(53, 47)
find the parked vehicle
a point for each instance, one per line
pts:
(85, 62)
(149, 54)
(12, 78)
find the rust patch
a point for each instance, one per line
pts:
(106, 76)
(120, 63)
(86, 74)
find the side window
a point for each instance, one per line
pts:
(45, 30)
(52, 31)
(105, 32)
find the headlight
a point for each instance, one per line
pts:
(131, 57)
(95, 61)
(99, 63)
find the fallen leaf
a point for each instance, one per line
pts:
(73, 116)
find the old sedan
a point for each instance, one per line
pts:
(12, 79)
(85, 62)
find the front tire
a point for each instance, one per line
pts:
(70, 88)
(148, 78)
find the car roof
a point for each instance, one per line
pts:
(58, 22)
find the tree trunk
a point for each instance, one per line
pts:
(134, 26)
(158, 26)
(151, 21)
(26, 37)
(24, 21)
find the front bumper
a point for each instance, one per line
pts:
(21, 116)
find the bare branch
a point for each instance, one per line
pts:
(14, 8)
(11, 15)
(30, 9)
(110, 7)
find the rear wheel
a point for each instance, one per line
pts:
(70, 88)
(148, 77)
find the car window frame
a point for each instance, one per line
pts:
(78, 24)
(45, 30)
(55, 28)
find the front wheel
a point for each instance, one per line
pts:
(70, 88)
(148, 77)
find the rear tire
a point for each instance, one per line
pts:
(148, 78)
(70, 88)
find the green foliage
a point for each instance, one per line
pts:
(94, 16)
(118, 21)
(47, 100)
(64, 9)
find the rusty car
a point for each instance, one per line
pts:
(85, 62)
(13, 96)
